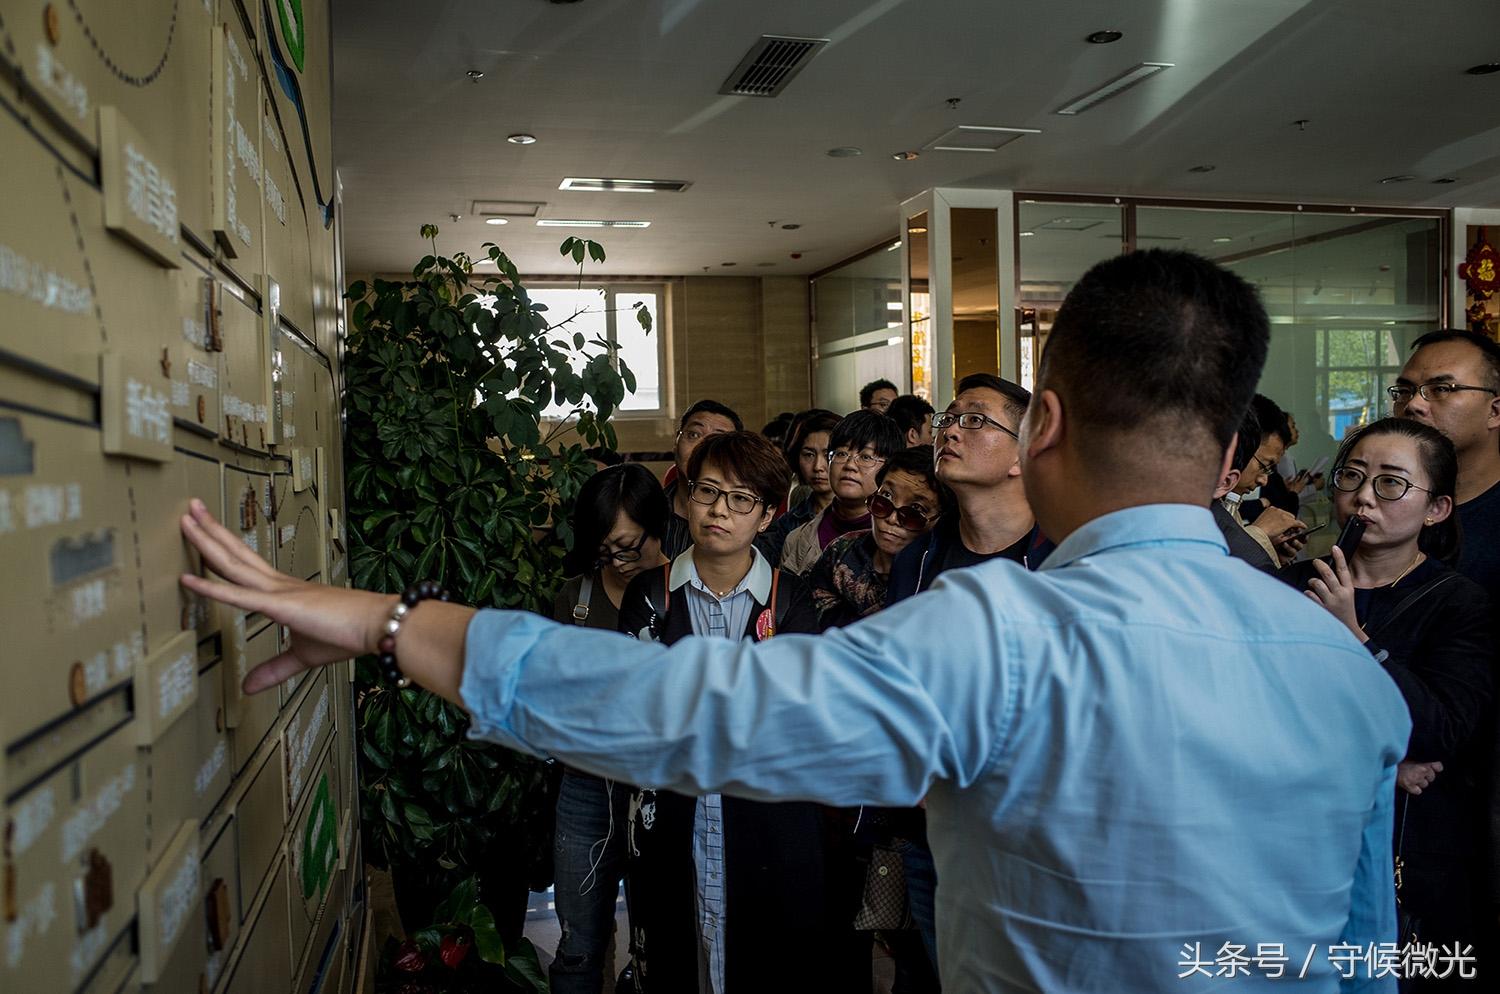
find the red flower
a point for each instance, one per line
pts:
(409, 958)
(455, 947)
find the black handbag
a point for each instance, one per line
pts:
(1408, 925)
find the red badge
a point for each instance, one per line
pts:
(764, 626)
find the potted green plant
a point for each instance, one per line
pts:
(451, 477)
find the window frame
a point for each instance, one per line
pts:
(612, 289)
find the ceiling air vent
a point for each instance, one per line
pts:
(770, 65)
(977, 138)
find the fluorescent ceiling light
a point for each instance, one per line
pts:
(893, 305)
(548, 222)
(594, 184)
(496, 220)
(1114, 87)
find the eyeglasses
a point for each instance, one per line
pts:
(708, 495)
(1387, 487)
(627, 555)
(1434, 392)
(1267, 468)
(970, 420)
(865, 459)
(908, 516)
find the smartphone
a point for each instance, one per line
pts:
(1354, 530)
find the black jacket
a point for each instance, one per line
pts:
(787, 865)
(1440, 649)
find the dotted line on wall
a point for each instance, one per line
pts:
(109, 63)
(88, 270)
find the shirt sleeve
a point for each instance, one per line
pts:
(869, 714)
(1372, 900)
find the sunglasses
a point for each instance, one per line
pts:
(908, 516)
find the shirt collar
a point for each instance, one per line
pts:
(1145, 524)
(757, 581)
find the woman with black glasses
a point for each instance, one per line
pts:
(850, 578)
(618, 524)
(1433, 631)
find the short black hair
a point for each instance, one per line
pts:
(1017, 397)
(1249, 441)
(867, 392)
(863, 428)
(1271, 418)
(753, 458)
(909, 411)
(628, 487)
(712, 407)
(1489, 349)
(1161, 337)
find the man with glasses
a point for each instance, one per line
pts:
(857, 447)
(705, 418)
(977, 454)
(1451, 382)
(1279, 533)
(877, 396)
(1140, 762)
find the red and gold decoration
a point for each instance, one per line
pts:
(1480, 272)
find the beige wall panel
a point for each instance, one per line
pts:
(296, 533)
(73, 608)
(248, 716)
(248, 510)
(244, 373)
(313, 873)
(194, 364)
(221, 909)
(203, 479)
(265, 966)
(47, 240)
(118, 972)
(306, 396)
(305, 738)
(169, 901)
(286, 226)
(76, 853)
(190, 767)
(720, 331)
(259, 822)
(149, 59)
(238, 96)
(785, 339)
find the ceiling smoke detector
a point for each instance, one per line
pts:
(770, 65)
(1104, 37)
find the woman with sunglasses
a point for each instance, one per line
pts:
(850, 578)
(618, 524)
(1433, 631)
(857, 449)
(721, 886)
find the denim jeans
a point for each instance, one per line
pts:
(589, 855)
(921, 893)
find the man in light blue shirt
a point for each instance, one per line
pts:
(1147, 766)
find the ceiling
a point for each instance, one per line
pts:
(629, 88)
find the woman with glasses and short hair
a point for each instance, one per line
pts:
(1433, 631)
(721, 887)
(850, 578)
(857, 449)
(618, 522)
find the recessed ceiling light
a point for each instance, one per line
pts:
(1446, 180)
(1104, 37)
(550, 222)
(906, 156)
(1203, 169)
(475, 74)
(845, 152)
(1398, 179)
(496, 220)
(1222, 239)
(918, 230)
(790, 227)
(1027, 234)
(1483, 69)
(521, 139)
(596, 184)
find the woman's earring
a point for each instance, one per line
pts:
(1429, 521)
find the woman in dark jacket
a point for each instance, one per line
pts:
(1434, 632)
(730, 895)
(617, 532)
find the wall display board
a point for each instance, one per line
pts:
(169, 310)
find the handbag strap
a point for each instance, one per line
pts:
(585, 594)
(1410, 599)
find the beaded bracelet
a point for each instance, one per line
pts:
(415, 594)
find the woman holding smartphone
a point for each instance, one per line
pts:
(1434, 632)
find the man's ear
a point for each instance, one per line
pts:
(1044, 419)
(913, 437)
(1227, 482)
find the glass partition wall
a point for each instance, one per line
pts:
(859, 327)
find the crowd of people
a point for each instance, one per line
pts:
(821, 520)
(1005, 698)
